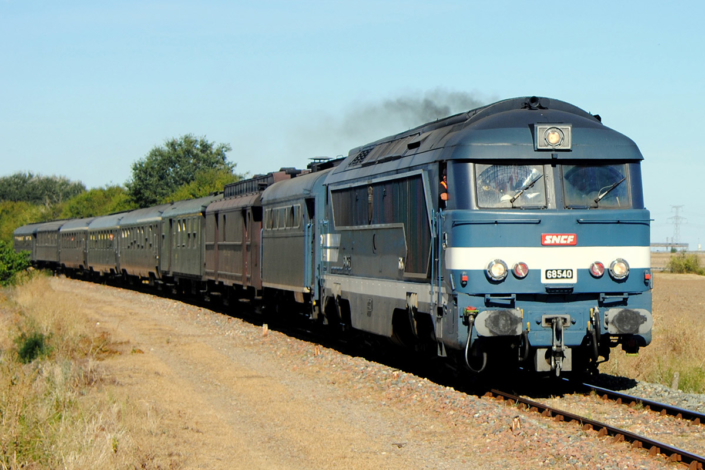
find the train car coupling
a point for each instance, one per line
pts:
(558, 357)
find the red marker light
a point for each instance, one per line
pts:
(521, 270)
(597, 269)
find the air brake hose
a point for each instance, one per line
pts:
(471, 322)
(595, 344)
(525, 355)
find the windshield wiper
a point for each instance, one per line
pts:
(609, 190)
(518, 194)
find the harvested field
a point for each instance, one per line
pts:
(659, 260)
(678, 344)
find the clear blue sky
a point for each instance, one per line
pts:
(87, 88)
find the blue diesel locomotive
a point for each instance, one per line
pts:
(512, 235)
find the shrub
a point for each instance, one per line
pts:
(11, 263)
(31, 346)
(682, 263)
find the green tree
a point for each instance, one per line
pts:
(173, 165)
(96, 202)
(17, 214)
(204, 183)
(37, 189)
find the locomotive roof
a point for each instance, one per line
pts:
(295, 188)
(499, 131)
(76, 224)
(191, 206)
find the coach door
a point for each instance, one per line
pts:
(84, 245)
(154, 237)
(167, 235)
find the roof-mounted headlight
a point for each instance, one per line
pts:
(619, 269)
(553, 136)
(497, 270)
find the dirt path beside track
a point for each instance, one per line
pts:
(217, 393)
(220, 401)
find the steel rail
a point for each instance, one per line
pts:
(662, 408)
(694, 462)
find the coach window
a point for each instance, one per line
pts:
(297, 216)
(195, 233)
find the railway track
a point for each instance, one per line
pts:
(662, 408)
(654, 448)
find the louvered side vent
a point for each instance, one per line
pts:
(359, 158)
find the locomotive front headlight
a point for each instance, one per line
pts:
(520, 270)
(497, 270)
(597, 269)
(619, 269)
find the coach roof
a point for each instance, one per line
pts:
(300, 187)
(106, 221)
(51, 226)
(141, 216)
(77, 224)
(191, 206)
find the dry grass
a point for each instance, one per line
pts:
(55, 411)
(678, 343)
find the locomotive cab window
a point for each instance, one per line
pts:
(510, 186)
(596, 186)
